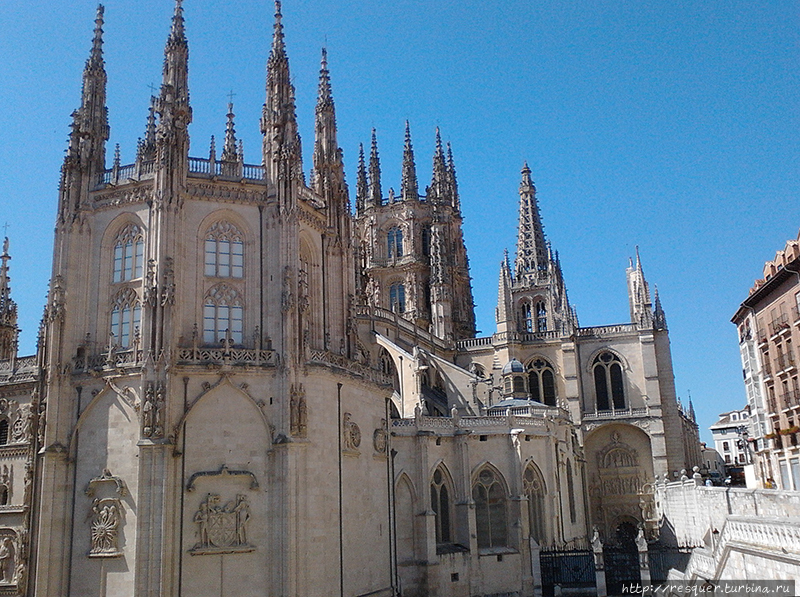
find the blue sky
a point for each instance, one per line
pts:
(671, 125)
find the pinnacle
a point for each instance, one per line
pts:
(96, 57)
(178, 32)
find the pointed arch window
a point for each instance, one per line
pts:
(394, 240)
(541, 317)
(571, 493)
(527, 317)
(426, 241)
(542, 382)
(441, 505)
(397, 297)
(222, 315)
(126, 318)
(224, 251)
(609, 383)
(128, 254)
(534, 489)
(490, 510)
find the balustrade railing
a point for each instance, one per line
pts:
(779, 323)
(227, 355)
(203, 167)
(615, 414)
(110, 359)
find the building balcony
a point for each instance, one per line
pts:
(628, 413)
(791, 398)
(779, 324)
(784, 361)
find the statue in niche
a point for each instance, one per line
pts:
(147, 411)
(222, 529)
(298, 415)
(158, 412)
(106, 515)
(352, 433)
(7, 567)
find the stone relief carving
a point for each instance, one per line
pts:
(222, 529)
(287, 298)
(617, 454)
(380, 438)
(106, 516)
(7, 560)
(153, 411)
(351, 433)
(21, 430)
(299, 411)
(5, 484)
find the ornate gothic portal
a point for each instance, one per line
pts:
(620, 465)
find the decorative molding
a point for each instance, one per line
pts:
(222, 472)
(107, 515)
(106, 477)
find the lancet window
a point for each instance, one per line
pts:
(426, 241)
(128, 254)
(126, 318)
(527, 317)
(542, 382)
(541, 317)
(223, 315)
(440, 503)
(534, 489)
(3, 432)
(491, 518)
(224, 251)
(609, 382)
(397, 297)
(394, 241)
(571, 493)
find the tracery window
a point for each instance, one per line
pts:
(397, 297)
(128, 254)
(126, 318)
(534, 489)
(527, 317)
(440, 503)
(490, 510)
(394, 242)
(542, 382)
(541, 317)
(222, 315)
(224, 251)
(609, 383)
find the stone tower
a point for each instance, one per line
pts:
(202, 361)
(412, 257)
(532, 297)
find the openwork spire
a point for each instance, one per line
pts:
(639, 295)
(375, 193)
(409, 189)
(229, 149)
(440, 179)
(8, 310)
(282, 153)
(532, 249)
(172, 106)
(325, 96)
(362, 186)
(328, 169)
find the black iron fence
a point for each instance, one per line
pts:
(569, 568)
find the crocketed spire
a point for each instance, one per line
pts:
(409, 189)
(8, 310)
(532, 249)
(375, 193)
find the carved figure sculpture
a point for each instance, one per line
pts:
(6, 560)
(222, 528)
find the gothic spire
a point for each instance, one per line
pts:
(147, 146)
(659, 317)
(281, 141)
(504, 313)
(440, 179)
(531, 245)
(375, 193)
(362, 186)
(229, 149)
(327, 160)
(409, 189)
(8, 310)
(91, 120)
(639, 295)
(451, 170)
(172, 106)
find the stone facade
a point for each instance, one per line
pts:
(768, 322)
(243, 388)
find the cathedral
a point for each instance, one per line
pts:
(246, 386)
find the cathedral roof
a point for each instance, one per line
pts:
(513, 366)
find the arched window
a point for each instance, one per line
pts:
(541, 317)
(126, 318)
(224, 251)
(440, 503)
(3, 495)
(397, 297)
(609, 384)
(394, 240)
(222, 315)
(542, 382)
(490, 510)
(527, 318)
(426, 241)
(3, 432)
(571, 493)
(519, 384)
(534, 490)
(128, 254)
